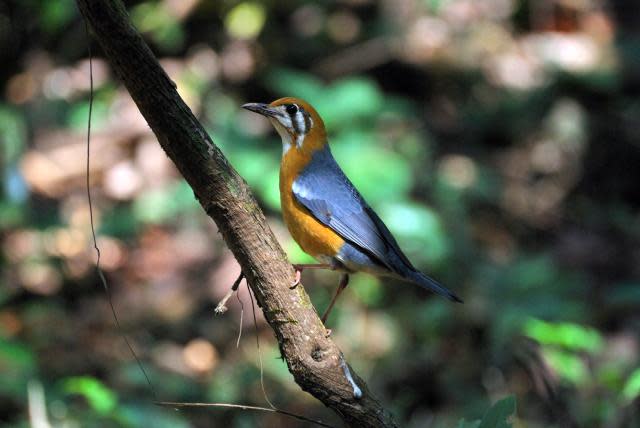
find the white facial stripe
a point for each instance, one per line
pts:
(284, 135)
(285, 124)
(301, 126)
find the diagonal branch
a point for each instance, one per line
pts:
(314, 360)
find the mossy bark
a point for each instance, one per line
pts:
(312, 358)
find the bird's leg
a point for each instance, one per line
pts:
(344, 281)
(300, 267)
(221, 308)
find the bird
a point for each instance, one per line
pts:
(324, 212)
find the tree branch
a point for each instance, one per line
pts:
(314, 360)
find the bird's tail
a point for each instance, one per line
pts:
(424, 281)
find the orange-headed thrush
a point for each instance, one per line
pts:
(324, 212)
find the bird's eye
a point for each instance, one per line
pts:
(291, 109)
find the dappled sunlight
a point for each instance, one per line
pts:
(497, 139)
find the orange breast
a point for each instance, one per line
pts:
(314, 237)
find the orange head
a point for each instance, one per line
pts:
(298, 124)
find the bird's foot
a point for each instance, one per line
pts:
(297, 278)
(300, 267)
(344, 281)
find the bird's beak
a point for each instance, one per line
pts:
(263, 109)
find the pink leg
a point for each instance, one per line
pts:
(344, 281)
(300, 267)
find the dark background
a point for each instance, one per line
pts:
(499, 140)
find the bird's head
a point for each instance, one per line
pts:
(298, 124)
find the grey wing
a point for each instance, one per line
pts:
(328, 194)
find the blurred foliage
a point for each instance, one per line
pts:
(498, 140)
(496, 417)
(101, 399)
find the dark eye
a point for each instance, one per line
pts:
(292, 109)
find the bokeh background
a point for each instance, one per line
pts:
(498, 139)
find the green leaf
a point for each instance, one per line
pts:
(569, 366)
(497, 415)
(100, 398)
(13, 133)
(17, 364)
(568, 335)
(631, 389)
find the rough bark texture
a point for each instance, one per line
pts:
(312, 358)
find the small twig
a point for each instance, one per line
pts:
(255, 323)
(241, 316)
(243, 407)
(221, 308)
(103, 280)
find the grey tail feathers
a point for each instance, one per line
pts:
(424, 281)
